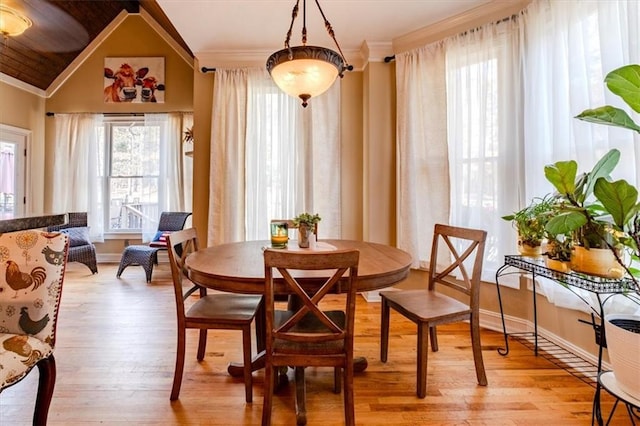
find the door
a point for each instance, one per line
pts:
(13, 156)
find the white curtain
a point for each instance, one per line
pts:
(570, 47)
(484, 120)
(226, 184)
(77, 169)
(423, 162)
(171, 187)
(271, 158)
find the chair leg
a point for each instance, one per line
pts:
(120, 269)
(301, 397)
(477, 350)
(349, 403)
(202, 344)
(268, 395)
(384, 329)
(246, 350)
(423, 351)
(177, 375)
(46, 384)
(337, 379)
(433, 335)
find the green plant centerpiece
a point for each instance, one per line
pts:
(306, 224)
(530, 223)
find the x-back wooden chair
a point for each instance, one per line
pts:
(429, 308)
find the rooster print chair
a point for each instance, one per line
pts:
(32, 267)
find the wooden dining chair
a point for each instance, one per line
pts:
(304, 335)
(221, 311)
(458, 249)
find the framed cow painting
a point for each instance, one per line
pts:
(135, 80)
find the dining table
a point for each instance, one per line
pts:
(238, 267)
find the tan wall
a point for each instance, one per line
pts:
(83, 91)
(25, 110)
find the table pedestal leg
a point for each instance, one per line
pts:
(236, 369)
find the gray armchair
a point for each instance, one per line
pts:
(81, 249)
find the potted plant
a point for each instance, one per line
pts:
(620, 200)
(530, 223)
(558, 253)
(584, 220)
(306, 224)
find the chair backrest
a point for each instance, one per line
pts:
(342, 271)
(169, 222)
(181, 244)
(172, 221)
(33, 266)
(74, 220)
(454, 252)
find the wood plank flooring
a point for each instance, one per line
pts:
(116, 352)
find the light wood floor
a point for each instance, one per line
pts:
(116, 352)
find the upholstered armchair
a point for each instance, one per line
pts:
(32, 267)
(81, 249)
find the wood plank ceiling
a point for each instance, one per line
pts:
(60, 32)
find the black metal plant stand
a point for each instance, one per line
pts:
(603, 288)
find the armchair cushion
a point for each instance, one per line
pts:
(160, 239)
(78, 236)
(20, 352)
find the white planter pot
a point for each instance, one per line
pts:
(624, 351)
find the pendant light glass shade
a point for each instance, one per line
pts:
(305, 71)
(12, 23)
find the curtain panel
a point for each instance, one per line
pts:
(270, 158)
(512, 91)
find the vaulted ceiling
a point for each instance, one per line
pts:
(63, 29)
(60, 32)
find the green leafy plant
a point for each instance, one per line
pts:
(530, 221)
(619, 199)
(559, 248)
(307, 219)
(624, 82)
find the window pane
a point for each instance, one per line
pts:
(132, 199)
(135, 150)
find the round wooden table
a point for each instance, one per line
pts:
(239, 268)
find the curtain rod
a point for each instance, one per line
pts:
(388, 59)
(206, 70)
(119, 114)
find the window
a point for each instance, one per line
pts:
(130, 151)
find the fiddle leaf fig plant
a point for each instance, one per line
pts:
(619, 199)
(624, 82)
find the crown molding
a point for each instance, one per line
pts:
(376, 51)
(480, 15)
(7, 79)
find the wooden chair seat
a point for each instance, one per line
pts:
(425, 305)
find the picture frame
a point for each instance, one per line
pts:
(134, 80)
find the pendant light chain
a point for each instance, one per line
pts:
(329, 28)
